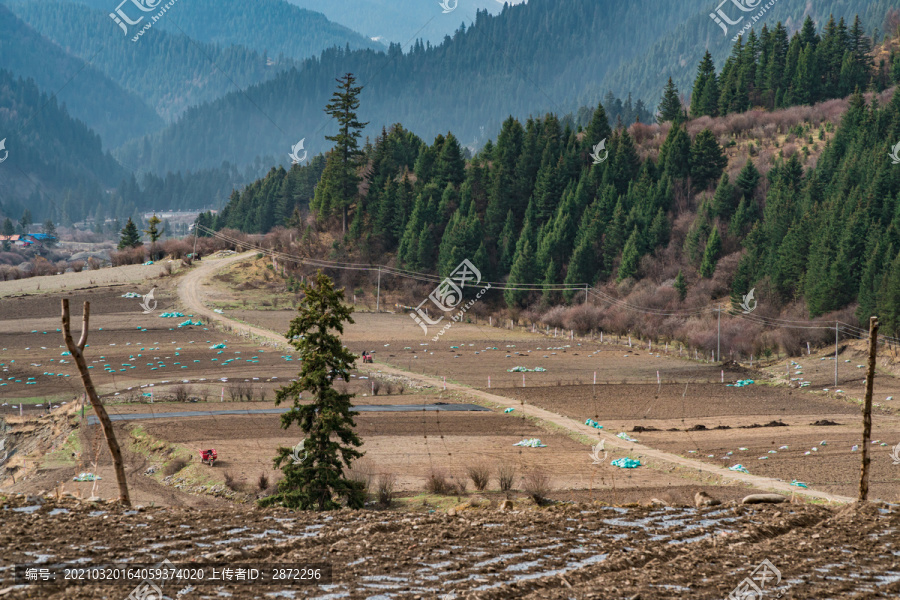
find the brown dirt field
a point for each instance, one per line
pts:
(397, 442)
(127, 275)
(584, 551)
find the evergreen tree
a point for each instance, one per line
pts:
(8, 230)
(670, 105)
(338, 186)
(153, 230)
(311, 483)
(705, 97)
(708, 160)
(723, 201)
(680, 286)
(711, 254)
(747, 179)
(25, 221)
(50, 229)
(130, 236)
(631, 257)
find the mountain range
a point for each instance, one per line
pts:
(216, 81)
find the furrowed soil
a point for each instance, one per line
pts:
(578, 547)
(567, 551)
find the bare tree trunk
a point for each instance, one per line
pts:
(77, 353)
(867, 410)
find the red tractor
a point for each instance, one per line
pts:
(208, 456)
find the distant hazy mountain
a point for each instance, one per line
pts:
(530, 59)
(114, 113)
(271, 26)
(52, 162)
(402, 21)
(168, 70)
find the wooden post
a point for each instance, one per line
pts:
(77, 353)
(867, 410)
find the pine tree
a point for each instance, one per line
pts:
(130, 236)
(708, 160)
(747, 179)
(711, 254)
(631, 257)
(723, 201)
(670, 105)
(153, 231)
(338, 186)
(50, 229)
(8, 230)
(705, 88)
(680, 286)
(523, 271)
(26, 221)
(311, 483)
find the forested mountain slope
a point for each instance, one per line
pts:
(114, 113)
(54, 162)
(168, 70)
(530, 59)
(270, 27)
(802, 204)
(675, 53)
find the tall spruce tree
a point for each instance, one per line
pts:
(338, 187)
(315, 480)
(670, 105)
(711, 254)
(708, 160)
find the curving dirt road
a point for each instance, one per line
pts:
(190, 291)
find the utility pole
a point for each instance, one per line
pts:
(835, 353)
(196, 232)
(719, 337)
(585, 293)
(76, 351)
(378, 297)
(867, 410)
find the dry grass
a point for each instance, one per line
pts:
(437, 483)
(174, 466)
(385, 489)
(537, 485)
(363, 472)
(480, 474)
(506, 475)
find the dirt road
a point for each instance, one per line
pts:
(190, 291)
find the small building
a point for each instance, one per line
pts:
(16, 240)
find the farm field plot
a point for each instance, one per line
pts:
(687, 413)
(567, 551)
(711, 419)
(126, 349)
